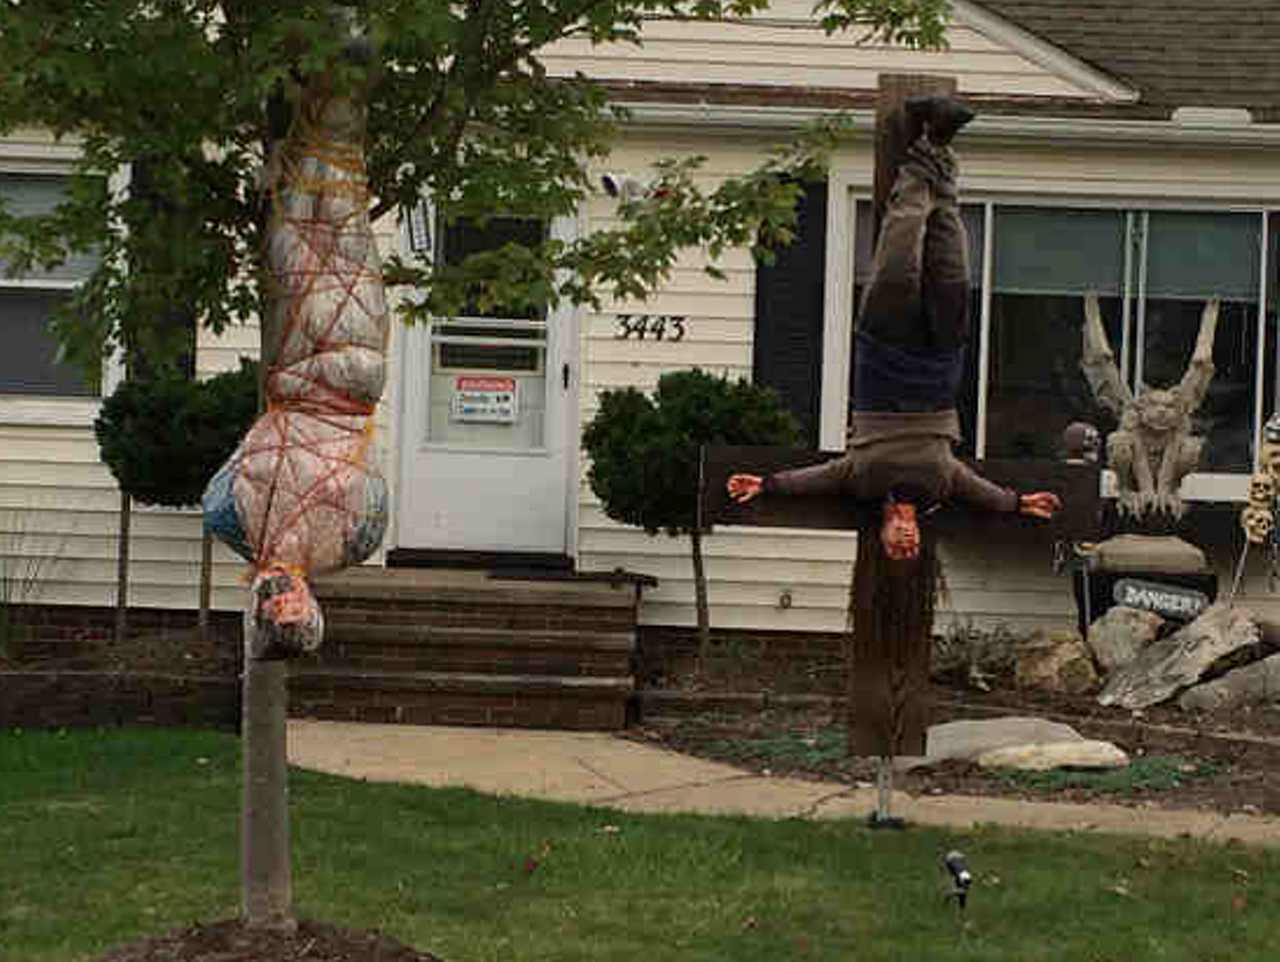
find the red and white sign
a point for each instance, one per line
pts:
(492, 400)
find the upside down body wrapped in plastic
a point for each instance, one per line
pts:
(303, 494)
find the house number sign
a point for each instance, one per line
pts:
(658, 327)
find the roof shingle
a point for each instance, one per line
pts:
(1176, 53)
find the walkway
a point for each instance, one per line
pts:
(600, 769)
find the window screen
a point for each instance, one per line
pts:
(1050, 252)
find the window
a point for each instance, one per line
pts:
(1044, 263)
(29, 364)
(488, 368)
(1153, 271)
(789, 301)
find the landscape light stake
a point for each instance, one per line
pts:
(883, 816)
(958, 866)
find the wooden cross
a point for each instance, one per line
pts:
(889, 652)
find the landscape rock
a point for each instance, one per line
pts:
(1056, 661)
(1166, 667)
(970, 739)
(1050, 756)
(1255, 684)
(1141, 552)
(1116, 638)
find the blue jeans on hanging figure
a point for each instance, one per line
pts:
(913, 325)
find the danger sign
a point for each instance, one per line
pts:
(492, 400)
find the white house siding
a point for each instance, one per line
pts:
(786, 46)
(749, 569)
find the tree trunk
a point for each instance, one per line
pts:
(266, 871)
(122, 570)
(700, 594)
(206, 583)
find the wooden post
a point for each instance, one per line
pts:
(891, 602)
(266, 872)
(891, 130)
(888, 683)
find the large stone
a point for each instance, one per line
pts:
(1140, 552)
(1056, 661)
(969, 739)
(1165, 667)
(1255, 684)
(1048, 756)
(1118, 636)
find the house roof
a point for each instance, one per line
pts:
(1175, 53)
(1171, 53)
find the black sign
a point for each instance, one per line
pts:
(1169, 601)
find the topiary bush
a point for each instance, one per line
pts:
(645, 452)
(164, 438)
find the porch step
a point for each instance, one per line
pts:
(444, 648)
(451, 647)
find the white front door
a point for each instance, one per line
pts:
(488, 449)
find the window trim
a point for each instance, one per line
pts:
(54, 160)
(847, 190)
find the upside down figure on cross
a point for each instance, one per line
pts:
(911, 334)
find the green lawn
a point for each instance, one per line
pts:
(107, 836)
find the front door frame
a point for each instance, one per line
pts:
(410, 354)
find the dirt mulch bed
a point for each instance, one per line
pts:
(230, 941)
(1225, 763)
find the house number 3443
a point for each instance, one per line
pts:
(659, 327)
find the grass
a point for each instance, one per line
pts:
(107, 836)
(827, 746)
(1144, 775)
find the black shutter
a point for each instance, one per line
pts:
(789, 315)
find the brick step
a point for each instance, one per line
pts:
(456, 647)
(460, 698)
(471, 600)
(416, 647)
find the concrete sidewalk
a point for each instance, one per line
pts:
(599, 769)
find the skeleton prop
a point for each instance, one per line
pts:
(303, 494)
(1153, 449)
(1257, 518)
(1257, 522)
(1262, 490)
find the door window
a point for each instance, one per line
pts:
(488, 369)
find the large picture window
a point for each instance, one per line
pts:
(29, 364)
(1153, 272)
